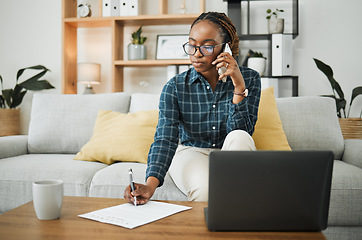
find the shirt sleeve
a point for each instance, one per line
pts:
(167, 134)
(244, 114)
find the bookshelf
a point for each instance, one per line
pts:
(71, 23)
(235, 14)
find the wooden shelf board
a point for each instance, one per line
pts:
(89, 22)
(164, 19)
(151, 63)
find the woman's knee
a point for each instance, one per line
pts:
(238, 140)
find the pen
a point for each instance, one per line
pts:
(132, 184)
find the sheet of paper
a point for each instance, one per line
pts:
(130, 216)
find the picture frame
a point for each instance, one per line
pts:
(170, 46)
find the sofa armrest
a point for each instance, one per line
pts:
(353, 152)
(11, 146)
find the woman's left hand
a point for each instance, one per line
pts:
(224, 59)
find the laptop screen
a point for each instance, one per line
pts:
(269, 190)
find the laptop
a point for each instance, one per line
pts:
(269, 190)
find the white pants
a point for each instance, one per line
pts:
(190, 165)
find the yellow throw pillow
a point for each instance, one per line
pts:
(120, 137)
(269, 133)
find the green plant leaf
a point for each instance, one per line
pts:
(36, 67)
(13, 97)
(327, 70)
(17, 96)
(142, 40)
(137, 38)
(37, 85)
(2, 102)
(1, 80)
(355, 92)
(34, 84)
(341, 105)
(7, 93)
(331, 96)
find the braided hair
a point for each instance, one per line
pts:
(227, 28)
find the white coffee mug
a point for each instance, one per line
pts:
(48, 198)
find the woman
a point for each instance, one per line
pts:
(201, 112)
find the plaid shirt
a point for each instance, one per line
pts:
(191, 112)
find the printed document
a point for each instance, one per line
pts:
(130, 216)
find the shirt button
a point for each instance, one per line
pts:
(213, 127)
(208, 87)
(214, 145)
(214, 106)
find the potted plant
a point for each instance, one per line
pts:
(275, 24)
(257, 61)
(10, 99)
(137, 50)
(351, 127)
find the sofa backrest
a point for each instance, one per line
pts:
(144, 102)
(311, 123)
(64, 123)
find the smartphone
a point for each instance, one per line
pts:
(222, 70)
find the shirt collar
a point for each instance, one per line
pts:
(196, 75)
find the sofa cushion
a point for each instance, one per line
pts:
(113, 180)
(346, 195)
(64, 123)
(143, 102)
(311, 123)
(15, 145)
(120, 137)
(269, 133)
(18, 173)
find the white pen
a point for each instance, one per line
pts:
(132, 184)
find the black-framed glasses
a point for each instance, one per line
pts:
(205, 50)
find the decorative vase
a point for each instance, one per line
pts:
(258, 64)
(275, 25)
(9, 122)
(351, 127)
(137, 52)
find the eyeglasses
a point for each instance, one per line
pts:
(205, 50)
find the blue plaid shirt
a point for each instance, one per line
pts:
(191, 112)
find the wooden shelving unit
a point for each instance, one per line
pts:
(234, 12)
(71, 23)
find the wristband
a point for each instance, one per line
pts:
(244, 94)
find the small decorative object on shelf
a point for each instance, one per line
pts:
(84, 10)
(12, 98)
(137, 50)
(275, 24)
(171, 46)
(183, 9)
(257, 61)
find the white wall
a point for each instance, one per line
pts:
(30, 34)
(331, 31)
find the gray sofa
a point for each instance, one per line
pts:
(61, 124)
